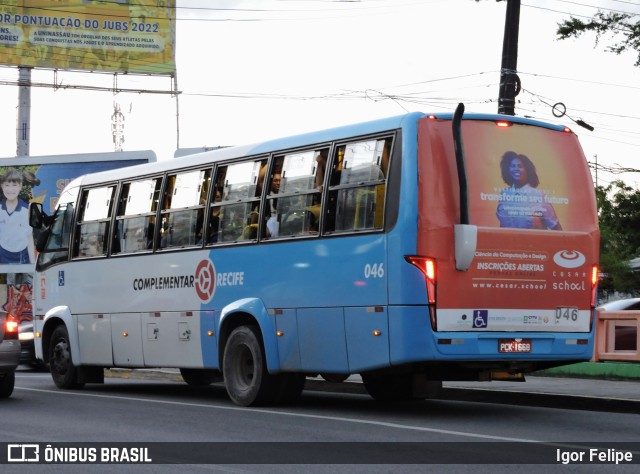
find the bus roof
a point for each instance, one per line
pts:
(509, 118)
(292, 142)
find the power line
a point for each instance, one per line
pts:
(587, 81)
(600, 8)
(179, 9)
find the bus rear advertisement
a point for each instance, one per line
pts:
(537, 240)
(408, 250)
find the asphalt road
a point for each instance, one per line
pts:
(349, 431)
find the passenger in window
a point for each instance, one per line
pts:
(321, 161)
(199, 222)
(166, 234)
(181, 230)
(250, 231)
(321, 166)
(214, 219)
(140, 240)
(275, 183)
(273, 226)
(262, 173)
(236, 222)
(90, 246)
(275, 189)
(150, 234)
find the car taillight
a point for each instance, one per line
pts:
(429, 269)
(11, 328)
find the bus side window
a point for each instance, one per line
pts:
(357, 186)
(294, 196)
(135, 216)
(182, 215)
(233, 215)
(94, 222)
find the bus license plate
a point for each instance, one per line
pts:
(514, 345)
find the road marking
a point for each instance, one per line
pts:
(291, 414)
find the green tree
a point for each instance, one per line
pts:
(619, 214)
(623, 27)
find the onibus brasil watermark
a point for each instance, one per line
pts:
(47, 453)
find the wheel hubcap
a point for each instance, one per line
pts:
(61, 357)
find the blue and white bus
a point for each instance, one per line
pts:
(410, 250)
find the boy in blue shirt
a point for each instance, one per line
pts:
(16, 236)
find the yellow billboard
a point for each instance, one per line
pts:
(129, 36)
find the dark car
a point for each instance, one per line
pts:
(626, 336)
(27, 347)
(9, 354)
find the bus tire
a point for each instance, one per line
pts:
(200, 377)
(245, 370)
(7, 382)
(63, 372)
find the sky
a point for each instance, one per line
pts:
(250, 70)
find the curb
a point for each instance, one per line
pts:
(590, 370)
(494, 395)
(595, 370)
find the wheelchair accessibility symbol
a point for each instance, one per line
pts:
(480, 318)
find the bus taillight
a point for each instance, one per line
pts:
(595, 272)
(428, 268)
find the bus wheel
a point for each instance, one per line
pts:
(245, 370)
(200, 377)
(6, 384)
(63, 372)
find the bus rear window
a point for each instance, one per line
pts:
(357, 186)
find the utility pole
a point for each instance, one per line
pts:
(23, 130)
(117, 127)
(509, 80)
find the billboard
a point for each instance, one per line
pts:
(38, 179)
(128, 36)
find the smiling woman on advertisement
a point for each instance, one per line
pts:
(522, 205)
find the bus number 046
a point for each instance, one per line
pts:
(375, 270)
(568, 313)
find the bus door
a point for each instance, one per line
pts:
(532, 201)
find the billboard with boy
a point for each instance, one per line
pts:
(38, 179)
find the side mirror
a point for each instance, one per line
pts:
(36, 215)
